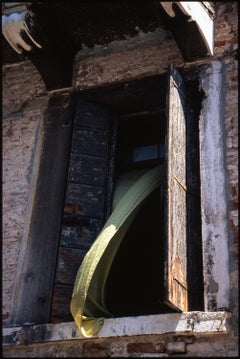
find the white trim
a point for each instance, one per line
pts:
(197, 12)
(188, 323)
(12, 27)
(205, 23)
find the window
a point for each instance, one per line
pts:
(103, 128)
(158, 243)
(138, 268)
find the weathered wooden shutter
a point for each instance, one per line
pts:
(88, 197)
(176, 292)
(32, 296)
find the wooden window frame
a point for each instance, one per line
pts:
(23, 307)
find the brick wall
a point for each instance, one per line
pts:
(24, 102)
(226, 28)
(132, 346)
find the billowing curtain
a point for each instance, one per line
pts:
(88, 306)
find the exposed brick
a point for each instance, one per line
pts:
(176, 347)
(126, 65)
(145, 348)
(21, 82)
(220, 43)
(221, 25)
(96, 349)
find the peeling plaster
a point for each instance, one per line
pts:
(188, 325)
(149, 38)
(213, 188)
(213, 286)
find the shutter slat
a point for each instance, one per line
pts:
(87, 197)
(176, 292)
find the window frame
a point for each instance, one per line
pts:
(216, 275)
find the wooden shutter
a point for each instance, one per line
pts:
(88, 197)
(32, 296)
(176, 292)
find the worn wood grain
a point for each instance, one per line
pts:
(69, 260)
(88, 194)
(33, 292)
(176, 249)
(91, 115)
(60, 310)
(90, 141)
(89, 198)
(82, 234)
(90, 170)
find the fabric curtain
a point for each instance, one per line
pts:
(88, 302)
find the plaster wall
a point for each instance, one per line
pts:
(226, 49)
(213, 191)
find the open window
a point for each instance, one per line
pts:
(138, 125)
(153, 257)
(138, 267)
(89, 144)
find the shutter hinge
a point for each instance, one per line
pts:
(179, 88)
(180, 283)
(180, 183)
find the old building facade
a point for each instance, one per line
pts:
(58, 170)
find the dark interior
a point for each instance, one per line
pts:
(140, 108)
(133, 97)
(140, 142)
(136, 279)
(135, 284)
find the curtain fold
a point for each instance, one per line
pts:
(88, 303)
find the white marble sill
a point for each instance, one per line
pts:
(187, 323)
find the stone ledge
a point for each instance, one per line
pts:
(188, 323)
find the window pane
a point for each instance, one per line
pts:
(145, 153)
(161, 149)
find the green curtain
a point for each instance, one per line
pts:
(88, 303)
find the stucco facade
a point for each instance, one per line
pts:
(25, 99)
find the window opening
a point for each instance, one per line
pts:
(135, 284)
(140, 110)
(140, 141)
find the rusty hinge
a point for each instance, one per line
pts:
(180, 183)
(180, 283)
(179, 88)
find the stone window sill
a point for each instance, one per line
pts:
(187, 323)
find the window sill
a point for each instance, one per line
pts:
(188, 323)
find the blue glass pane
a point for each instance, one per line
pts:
(144, 153)
(161, 150)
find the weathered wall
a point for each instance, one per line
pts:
(226, 48)
(132, 346)
(24, 102)
(148, 54)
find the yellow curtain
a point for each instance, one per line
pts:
(88, 303)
